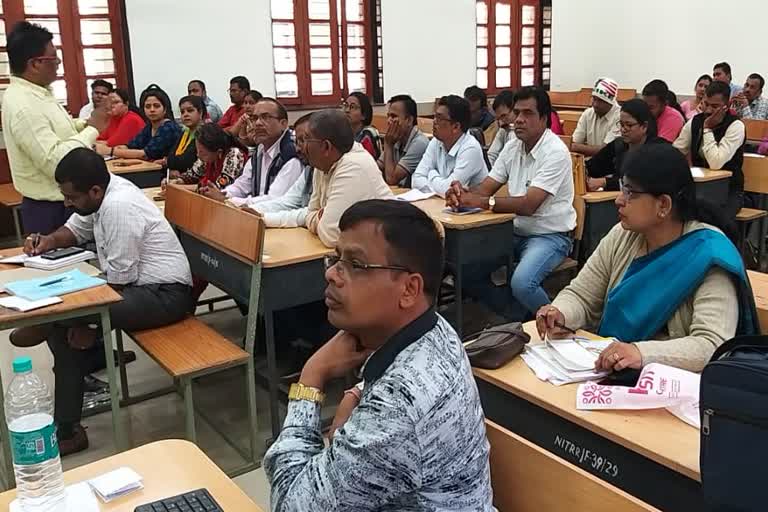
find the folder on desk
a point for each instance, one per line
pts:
(53, 285)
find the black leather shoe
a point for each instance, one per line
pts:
(76, 443)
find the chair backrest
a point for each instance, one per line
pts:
(567, 140)
(379, 121)
(757, 130)
(527, 478)
(755, 170)
(626, 95)
(425, 124)
(568, 98)
(569, 126)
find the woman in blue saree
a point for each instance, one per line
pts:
(666, 280)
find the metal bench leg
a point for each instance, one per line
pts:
(250, 376)
(17, 224)
(189, 409)
(123, 367)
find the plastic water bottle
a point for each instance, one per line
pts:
(36, 462)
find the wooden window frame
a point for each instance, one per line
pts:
(72, 47)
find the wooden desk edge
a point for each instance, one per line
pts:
(566, 414)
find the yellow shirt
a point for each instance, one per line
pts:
(38, 134)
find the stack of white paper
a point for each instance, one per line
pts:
(43, 264)
(115, 484)
(565, 361)
(414, 195)
(24, 305)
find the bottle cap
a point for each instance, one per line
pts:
(22, 364)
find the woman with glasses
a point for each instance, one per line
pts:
(638, 127)
(183, 154)
(220, 159)
(667, 281)
(124, 121)
(359, 111)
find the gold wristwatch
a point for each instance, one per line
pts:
(301, 392)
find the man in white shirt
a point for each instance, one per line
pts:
(715, 139)
(273, 168)
(100, 90)
(599, 124)
(142, 260)
(537, 170)
(503, 104)
(453, 154)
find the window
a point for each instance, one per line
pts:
(508, 43)
(87, 35)
(546, 42)
(325, 49)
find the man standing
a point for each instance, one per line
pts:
(536, 167)
(38, 131)
(197, 88)
(238, 89)
(453, 154)
(404, 143)
(100, 91)
(416, 440)
(721, 72)
(142, 260)
(715, 139)
(599, 124)
(750, 103)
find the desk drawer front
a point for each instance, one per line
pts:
(218, 268)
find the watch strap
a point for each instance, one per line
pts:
(299, 391)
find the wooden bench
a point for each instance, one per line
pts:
(755, 169)
(757, 129)
(527, 478)
(217, 239)
(10, 198)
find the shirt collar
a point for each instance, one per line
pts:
(383, 358)
(37, 89)
(412, 136)
(274, 148)
(539, 145)
(459, 142)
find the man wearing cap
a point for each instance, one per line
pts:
(599, 124)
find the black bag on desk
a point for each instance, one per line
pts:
(734, 426)
(496, 346)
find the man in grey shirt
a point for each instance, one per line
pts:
(416, 440)
(404, 143)
(142, 260)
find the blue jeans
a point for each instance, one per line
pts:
(536, 257)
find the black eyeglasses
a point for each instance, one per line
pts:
(346, 267)
(628, 192)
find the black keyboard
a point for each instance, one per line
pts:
(192, 501)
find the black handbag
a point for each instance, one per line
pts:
(496, 346)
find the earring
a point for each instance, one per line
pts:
(662, 214)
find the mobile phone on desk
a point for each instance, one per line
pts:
(57, 254)
(462, 210)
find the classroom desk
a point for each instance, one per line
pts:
(93, 301)
(476, 238)
(144, 174)
(168, 468)
(649, 454)
(10, 198)
(570, 115)
(712, 185)
(759, 282)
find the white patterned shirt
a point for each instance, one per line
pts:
(135, 243)
(758, 109)
(416, 441)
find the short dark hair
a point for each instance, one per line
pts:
(720, 88)
(332, 125)
(414, 241)
(202, 84)
(84, 169)
(724, 66)
(410, 105)
(154, 90)
(255, 95)
(657, 88)
(26, 41)
(504, 98)
(474, 93)
(458, 108)
(102, 83)
(281, 112)
(195, 101)
(303, 119)
(365, 107)
(543, 105)
(641, 113)
(704, 77)
(241, 82)
(758, 77)
(214, 138)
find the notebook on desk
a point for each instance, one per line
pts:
(53, 285)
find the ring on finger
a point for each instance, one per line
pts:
(615, 356)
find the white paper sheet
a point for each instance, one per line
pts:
(414, 195)
(114, 484)
(19, 304)
(79, 499)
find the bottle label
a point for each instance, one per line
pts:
(35, 446)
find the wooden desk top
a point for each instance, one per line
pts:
(435, 206)
(168, 468)
(99, 296)
(9, 196)
(655, 434)
(570, 115)
(712, 175)
(292, 245)
(600, 197)
(759, 282)
(115, 167)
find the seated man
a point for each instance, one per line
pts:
(599, 124)
(239, 87)
(721, 72)
(212, 109)
(404, 143)
(273, 168)
(478, 107)
(344, 174)
(537, 170)
(416, 441)
(682, 302)
(750, 103)
(715, 139)
(100, 91)
(503, 104)
(453, 154)
(142, 260)
(277, 210)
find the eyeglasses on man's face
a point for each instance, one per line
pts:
(349, 268)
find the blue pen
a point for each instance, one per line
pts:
(54, 281)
